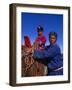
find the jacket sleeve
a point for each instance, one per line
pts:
(51, 52)
(38, 54)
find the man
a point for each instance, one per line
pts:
(52, 55)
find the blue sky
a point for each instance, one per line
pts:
(50, 22)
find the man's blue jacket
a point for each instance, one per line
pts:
(52, 54)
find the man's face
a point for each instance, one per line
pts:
(40, 33)
(52, 39)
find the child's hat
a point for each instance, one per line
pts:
(39, 28)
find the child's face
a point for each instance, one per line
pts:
(52, 39)
(40, 33)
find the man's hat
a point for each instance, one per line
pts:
(39, 28)
(53, 33)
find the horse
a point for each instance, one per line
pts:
(30, 66)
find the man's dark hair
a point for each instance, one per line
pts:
(53, 33)
(39, 28)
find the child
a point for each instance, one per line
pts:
(41, 39)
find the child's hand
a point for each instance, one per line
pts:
(41, 48)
